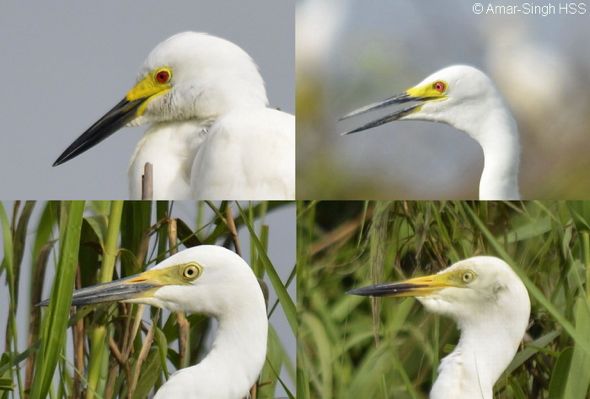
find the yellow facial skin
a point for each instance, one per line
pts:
(423, 93)
(428, 91)
(138, 287)
(134, 105)
(182, 274)
(419, 286)
(149, 88)
(426, 285)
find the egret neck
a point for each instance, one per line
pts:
(236, 356)
(498, 137)
(491, 307)
(465, 98)
(204, 279)
(478, 360)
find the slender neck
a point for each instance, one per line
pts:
(237, 354)
(498, 137)
(234, 362)
(479, 359)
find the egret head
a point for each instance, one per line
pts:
(195, 75)
(474, 288)
(205, 279)
(188, 76)
(458, 95)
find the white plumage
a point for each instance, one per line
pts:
(211, 125)
(205, 279)
(229, 291)
(491, 307)
(464, 97)
(252, 172)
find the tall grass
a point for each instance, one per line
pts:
(351, 347)
(112, 351)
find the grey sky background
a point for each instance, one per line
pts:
(66, 63)
(281, 252)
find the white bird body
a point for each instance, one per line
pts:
(465, 98)
(205, 279)
(477, 362)
(492, 317)
(491, 307)
(229, 291)
(173, 145)
(231, 367)
(202, 93)
(248, 174)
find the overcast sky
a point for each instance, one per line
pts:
(65, 63)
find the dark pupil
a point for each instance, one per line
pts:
(189, 272)
(162, 76)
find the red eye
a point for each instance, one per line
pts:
(163, 76)
(439, 86)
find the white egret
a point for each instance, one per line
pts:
(205, 279)
(491, 306)
(464, 97)
(212, 135)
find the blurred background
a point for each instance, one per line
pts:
(352, 53)
(353, 347)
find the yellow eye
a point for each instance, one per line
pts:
(467, 276)
(191, 271)
(163, 75)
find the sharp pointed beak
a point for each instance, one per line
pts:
(417, 287)
(130, 289)
(132, 106)
(411, 95)
(120, 115)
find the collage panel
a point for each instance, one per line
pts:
(444, 100)
(202, 91)
(218, 280)
(500, 306)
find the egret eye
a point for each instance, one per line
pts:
(163, 76)
(191, 272)
(439, 86)
(467, 277)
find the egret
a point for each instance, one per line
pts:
(204, 279)
(212, 134)
(465, 98)
(491, 306)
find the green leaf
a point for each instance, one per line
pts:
(559, 375)
(578, 379)
(272, 366)
(286, 301)
(55, 322)
(534, 291)
(150, 370)
(6, 384)
(162, 342)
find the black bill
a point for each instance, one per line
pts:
(116, 118)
